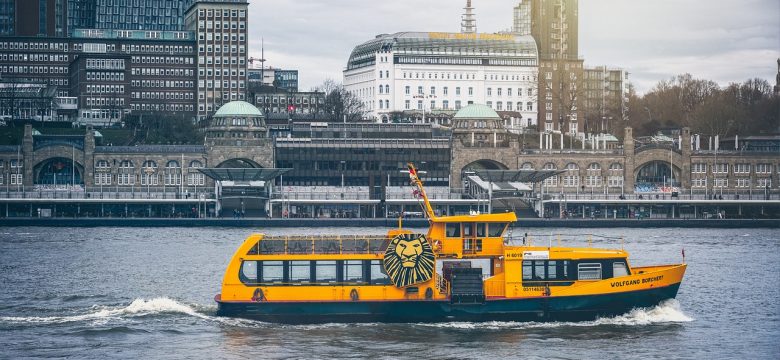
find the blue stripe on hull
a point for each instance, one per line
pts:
(569, 308)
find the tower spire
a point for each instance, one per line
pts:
(468, 24)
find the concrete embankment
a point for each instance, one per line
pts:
(383, 223)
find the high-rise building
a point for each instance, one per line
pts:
(605, 99)
(553, 24)
(33, 18)
(7, 16)
(156, 15)
(522, 17)
(163, 15)
(81, 14)
(221, 31)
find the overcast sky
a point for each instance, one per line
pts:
(722, 40)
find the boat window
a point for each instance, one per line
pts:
(249, 272)
(300, 271)
(619, 269)
(378, 275)
(453, 230)
(325, 271)
(271, 271)
(468, 230)
(481, 229)
(495, 230)
(527, 270)
(589, 271)
(539, 270)
(551, 270)
(353, 271)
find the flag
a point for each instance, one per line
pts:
(683, 253)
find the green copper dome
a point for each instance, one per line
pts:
(238, 109)
(476, 111)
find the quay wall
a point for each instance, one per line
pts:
(260, 223)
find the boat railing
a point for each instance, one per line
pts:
(442, 285)
(561, 239)
(320, 244)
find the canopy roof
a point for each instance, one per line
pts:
(242, 174)
(513, 176)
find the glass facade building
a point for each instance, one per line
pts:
(7, 14)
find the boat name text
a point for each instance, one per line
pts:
(636, 281)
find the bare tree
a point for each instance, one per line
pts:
(341, 104)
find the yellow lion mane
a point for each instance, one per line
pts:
(406, 276)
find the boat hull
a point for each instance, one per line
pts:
(555, 308)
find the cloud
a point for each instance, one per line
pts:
(653, 40)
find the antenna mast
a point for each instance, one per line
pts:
(468, 24)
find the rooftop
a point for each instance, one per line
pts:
(476, 111)
(237, 108)
(474, 47)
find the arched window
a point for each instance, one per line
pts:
(594, 166)
(102, 173)
(616, 167)
(527, 166)
(195, 177)
(380, 89)
(572, 166)
(387, 89)
(172, 173)
(126, 174)
(149, 173)
(551, 181)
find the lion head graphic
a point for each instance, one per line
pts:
(409, 260)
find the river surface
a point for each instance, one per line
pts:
(148, 293)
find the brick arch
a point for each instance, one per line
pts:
(58, 165)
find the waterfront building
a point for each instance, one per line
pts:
(221, 31)
(159, 74)
(398, 73)
(157, 71)
(349, 170)
(605, 99)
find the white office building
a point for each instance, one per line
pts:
(421, 72)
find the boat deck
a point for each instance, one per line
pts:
(320, 244)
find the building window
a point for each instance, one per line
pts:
(408, 90)
(741, 168)
(698, 168)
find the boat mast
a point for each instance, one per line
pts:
(420, 191)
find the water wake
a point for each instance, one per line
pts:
(666, 312)
(138, 308)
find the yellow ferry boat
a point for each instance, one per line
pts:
(409, 277)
